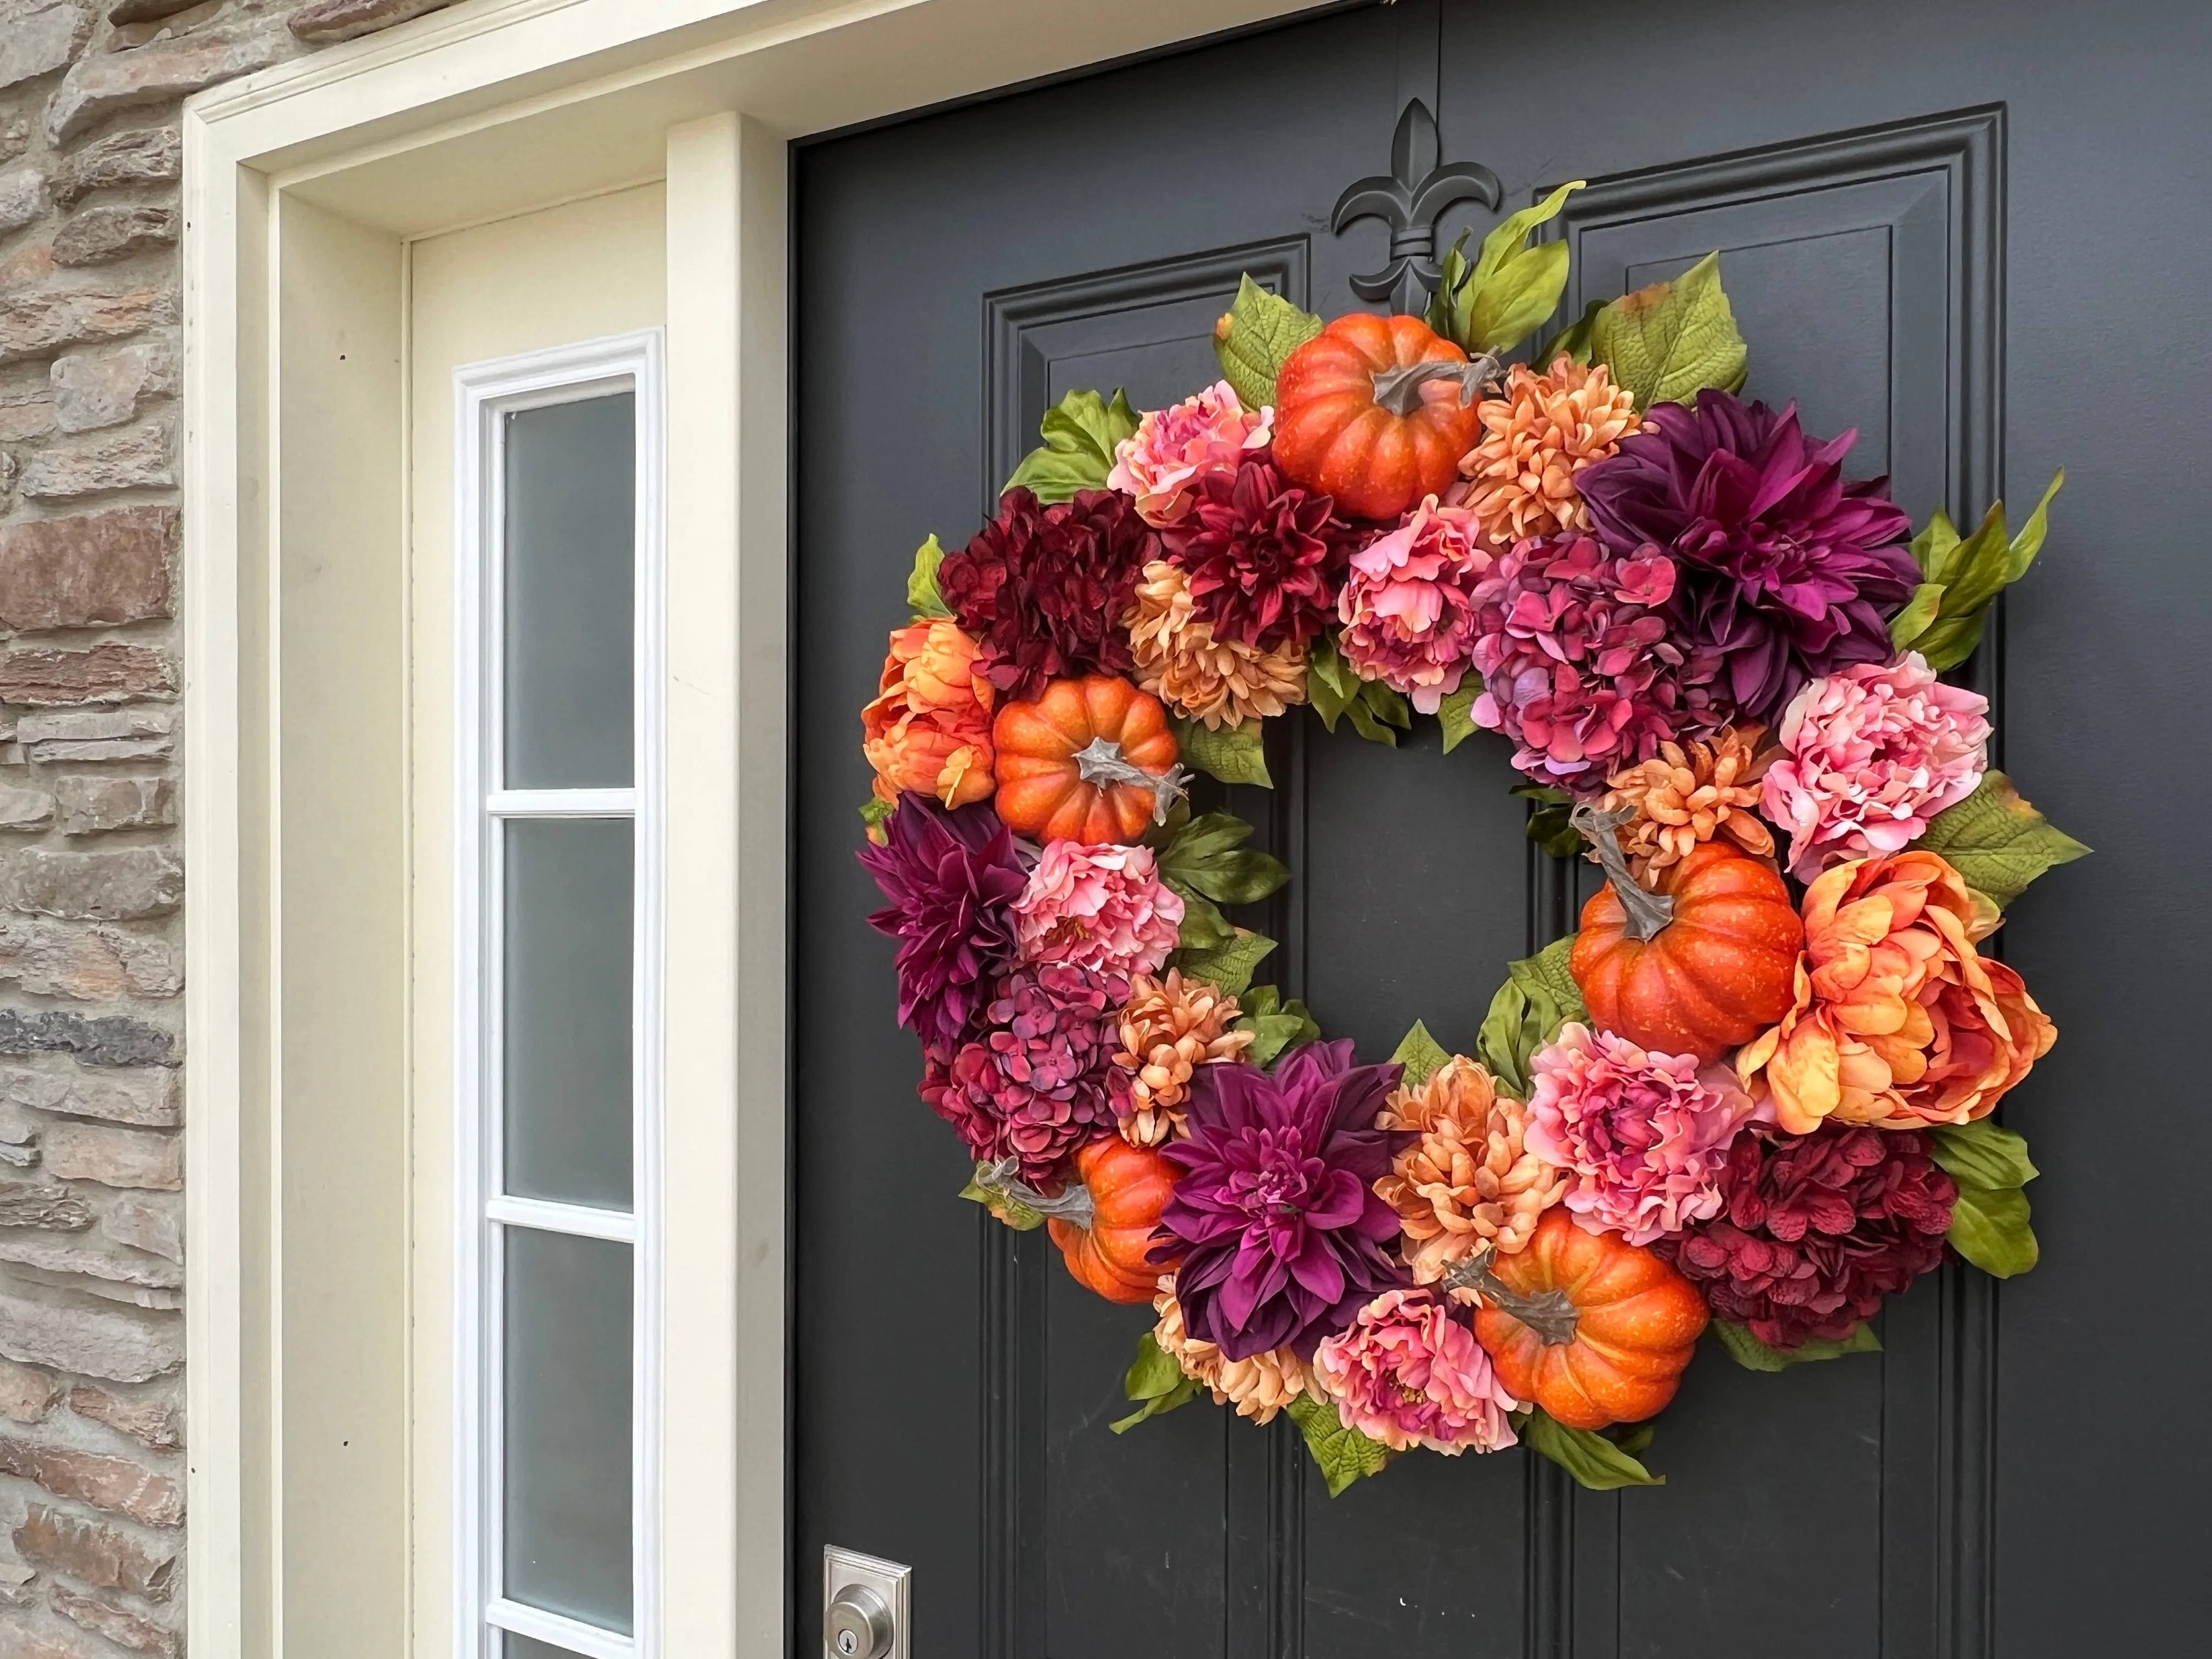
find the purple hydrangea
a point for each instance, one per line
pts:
(951, 877)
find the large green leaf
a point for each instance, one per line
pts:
(1277, 1023)
(921, 595)
(1510, 288)
(1229, 966)
(1594, 1461)
(1234, 754)
(1156, 1382)
(1551, 820)
(1538, 996)
(1344, 1454)
(1670, 341)
(1984, 1154)
(1208, 859)
(1080, 432)
(1550, 974)
(1944, 619)
(1991, 1231)
(1255, 338)
(1996, 840)
(1336, 691)
(1753, 1355)
(1456, 713)
(1420, 1054)
(1574, 339)
(1204, 926)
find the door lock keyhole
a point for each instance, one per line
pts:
(857, 1624)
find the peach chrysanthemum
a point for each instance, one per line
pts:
(1169, 1028)
(1258, 1387)
(1179, 661)
(1544, 428)
(1690, 791)
(1469, 1184)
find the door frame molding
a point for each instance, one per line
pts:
(304, 186)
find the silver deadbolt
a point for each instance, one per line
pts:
(864, 1606)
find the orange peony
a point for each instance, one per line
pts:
(1899, 1022)
(930, 730)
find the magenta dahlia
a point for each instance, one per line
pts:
(1816, 1230)
(1264, 557)
(1788, 570)
(1275, 1215)
(951, 877)
(1044, 588)
(1039, 1081)
(1581, 664)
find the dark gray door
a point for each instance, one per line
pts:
(1974, 230)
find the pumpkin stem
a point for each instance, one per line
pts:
(1551, 1314)
(1101, 763)
(1074, 1204)
(1646, 912)
(1399, 390)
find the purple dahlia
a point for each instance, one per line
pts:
(1275, 1215)
(1039, 1079)
(1816, 1230)
(951, 877)
(1264, 558)
(1788, 571)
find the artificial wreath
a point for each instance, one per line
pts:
(1748, 1100)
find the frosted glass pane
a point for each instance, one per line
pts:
(567, 1465)
(571, 526)
(522, 1647)
(567, 1013)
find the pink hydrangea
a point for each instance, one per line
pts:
(1172, 449)
(1874, 752)
(1101, 908)
(1407, 605)
(1643, 1137)
(1408, 1373)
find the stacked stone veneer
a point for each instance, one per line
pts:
(93, 1067)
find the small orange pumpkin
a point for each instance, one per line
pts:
(1702, 964)
(1377, 411)
(1093, 760)
(1128, 1188)
(1593, 1328)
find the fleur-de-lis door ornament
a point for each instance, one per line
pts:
(1410, 198)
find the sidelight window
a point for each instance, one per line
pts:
(558, 544)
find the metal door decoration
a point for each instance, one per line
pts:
(1747, 1100)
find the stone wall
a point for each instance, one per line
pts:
(92, 1069)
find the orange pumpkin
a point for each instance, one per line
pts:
(1593, 1328)
(1700, 966)
(1093, 760)
(1377, 411)
(1128, 1188)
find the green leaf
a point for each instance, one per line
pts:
(1233, 754)
(1344, 1455)
(1457, 714)
(1229, 966)
(1278, 1024)
(1990, 1230)
(1012, 1211)
(1753, 1355)
(1984, 1154)
(1157, 1382)
(1910, 623)
(1389, 706)
(1511, 286)
(1204, 926)
(1936, 549)
(1255, 338)
(1527, 1013)
(2029, 542)
(1205, 859)
(1966, 574)
(1594, 1461)
(1548, 977)
(1551, 819)
(1420, 1054)
(1080, 433)
(1331, 687)
(874, 811)
(921, 595)
(1670, 341)
(1574, 339)
(1996, 840)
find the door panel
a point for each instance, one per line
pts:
(1862, 173)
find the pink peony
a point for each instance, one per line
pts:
(1408, 602)
(1873, 753)
(1643, 1137)
(1409, 1373)
(1172, 449)
(1101, 908)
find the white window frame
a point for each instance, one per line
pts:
(484, 393)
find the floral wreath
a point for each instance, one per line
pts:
(1749, 1099)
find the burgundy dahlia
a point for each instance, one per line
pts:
(1582, 664)
(1044, 587)
(1816, 1230)
(1264, 558)
(1788, 571)
(1275, 1215)
(1039, 1079)
(951, 877)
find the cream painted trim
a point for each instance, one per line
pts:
(491, 108)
